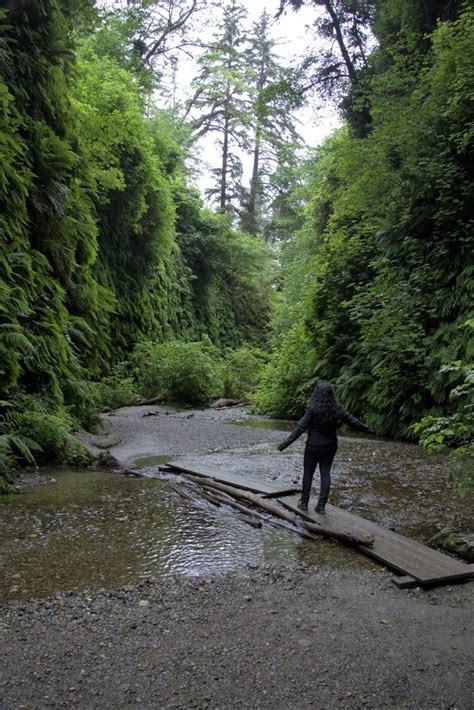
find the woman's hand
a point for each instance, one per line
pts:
(282, 445)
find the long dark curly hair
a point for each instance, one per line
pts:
(324, 403)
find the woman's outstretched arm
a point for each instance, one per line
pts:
(355, 423)
(299, 429)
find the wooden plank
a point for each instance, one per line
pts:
(268, 489)
(402, 554)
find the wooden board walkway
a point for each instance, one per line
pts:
(413, 559)
(266, 488)
(418, 563)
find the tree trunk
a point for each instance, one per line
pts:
(252, 203)
(351, 70)
(225, 160)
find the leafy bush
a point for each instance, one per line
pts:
(454, 432)
(286, 381)
(34, 431)
(185, 372)
(52, 432)
(118, 389)
(12, 448)
(242, 370)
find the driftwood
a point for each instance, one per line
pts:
(250, 521)
(181, 492)
(224, 499)
(152, 400)
(353, 538)
(278, 511)
(222, 403)
(107, 461)
(210, 498)
(256, 517)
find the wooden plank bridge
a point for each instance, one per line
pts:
(419, 564)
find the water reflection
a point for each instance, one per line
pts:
(262, 423)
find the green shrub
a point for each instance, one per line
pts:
(118, 389)
(286, 381)
(242, 370)
(185, 372)
(13, 447)
(454, 432)
(33, 431)
(53, 434)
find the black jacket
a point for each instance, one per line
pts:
(322, 433)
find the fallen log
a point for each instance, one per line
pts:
(250, 521)
(259, 518)
(279, 512)
(253, 498)
(227, 500)
(151, 400)
(210, 498)
(182, 493)
(223, 403)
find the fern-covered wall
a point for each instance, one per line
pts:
(48, 231)
(378, 283)
(102, 243)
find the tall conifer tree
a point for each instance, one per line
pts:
(221, 104)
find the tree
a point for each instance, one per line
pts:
(378, 282)
(338, 68)
(273, 125)
(145, 36)
(220, 104)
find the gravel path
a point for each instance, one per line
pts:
(271, 637)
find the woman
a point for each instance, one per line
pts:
(322, 417)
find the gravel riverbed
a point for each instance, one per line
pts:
(267, 636)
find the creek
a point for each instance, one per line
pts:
(93, 529)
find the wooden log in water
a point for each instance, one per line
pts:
(258, 517)
(182, 493)
(250, 521)
(352, 538)
(280, 512)
(227, 500)
(210, 498)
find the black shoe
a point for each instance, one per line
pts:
(320, 509)
(302, 505)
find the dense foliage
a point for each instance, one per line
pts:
(378, 281)
(103, 244)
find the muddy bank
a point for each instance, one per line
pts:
(271, 638)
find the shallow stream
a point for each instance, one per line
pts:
(91, 529)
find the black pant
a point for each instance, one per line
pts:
(324, 455)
